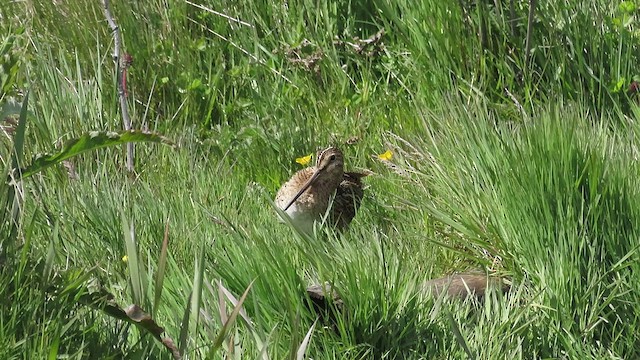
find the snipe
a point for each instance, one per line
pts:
(307, 195)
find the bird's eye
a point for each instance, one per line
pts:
(333, 157)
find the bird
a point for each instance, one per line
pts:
(465, 285)
(462, 286)
(306, 197)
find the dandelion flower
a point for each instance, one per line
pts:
(304, 160)
(385, 156)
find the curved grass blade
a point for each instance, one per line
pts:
(134, 314)
(305, 343)
(90, 141)
(458, 336)
(224, 292)
(230, 321)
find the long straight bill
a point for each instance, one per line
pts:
(303, 189)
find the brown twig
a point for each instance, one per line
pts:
(126, 120)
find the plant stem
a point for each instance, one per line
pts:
(126, 120)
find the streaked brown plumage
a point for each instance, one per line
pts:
(458, 287)
(347, 200)
(464, 285)
(307, 195)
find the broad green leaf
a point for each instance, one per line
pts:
(90, 141)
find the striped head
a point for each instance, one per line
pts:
(330, 162)
(327, 173)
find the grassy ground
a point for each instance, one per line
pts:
(513, 133)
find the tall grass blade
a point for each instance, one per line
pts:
(232, 318)
(458, 335)
(162, 267)
(224, 292)
(51, 253)
(53, 349)
(12, 206)
(133, 263)
(222, 305)
(198, 278)
(18, 138)
(184, 325)
(305, 342)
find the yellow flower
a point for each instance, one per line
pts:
(385, 156)
(304, 160)
(125, 258)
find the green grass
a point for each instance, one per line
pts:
(523, 165)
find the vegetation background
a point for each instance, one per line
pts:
(513, 132)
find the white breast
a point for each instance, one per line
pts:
(300, 219)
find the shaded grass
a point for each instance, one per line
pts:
(482, 179)
(553, 200)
